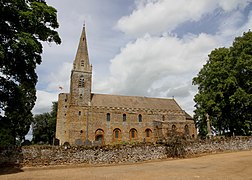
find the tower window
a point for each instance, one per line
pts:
(79, 113)
(124, 117)
(81, 81)
(82, 63)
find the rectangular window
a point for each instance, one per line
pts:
(116, 134)
(139, 118)
(132, 134)
(108, 117)
(147, 133)
(124, 117)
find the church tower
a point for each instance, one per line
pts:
(81, 75)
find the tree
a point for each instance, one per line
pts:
(23, 25)
(44, 126)
(225, 89)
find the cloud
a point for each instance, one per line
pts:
(158, 66)
(44, 101)
(233, 27)
(157, 16)
(59, 78)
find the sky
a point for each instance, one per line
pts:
(149, 48)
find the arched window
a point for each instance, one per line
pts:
(108, 116)
(186, 130)
(139, 118)
(117, 134)
(174, 128)
(124, 117)
(133, 133)
(81, 81)
(148, 132)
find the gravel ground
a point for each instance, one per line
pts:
(235, 165)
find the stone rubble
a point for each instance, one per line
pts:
(114, 154)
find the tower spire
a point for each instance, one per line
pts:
(81, 75)
(81, 62)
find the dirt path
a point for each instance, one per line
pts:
(236, 165)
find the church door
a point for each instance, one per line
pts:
(99, 136)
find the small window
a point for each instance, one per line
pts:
(186, 130)
(82, 62)
(163, 117)
(133, 133)
(65, 100)
(174, 128)
(148, 132)
(108, 116)
(139, 118)
(81, 81)
(117, 133)
(81, 96)
(79, 113)
(124, 117)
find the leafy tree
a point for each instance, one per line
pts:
(23, 25)
(5, 133)
(44, 126)
(225, 89)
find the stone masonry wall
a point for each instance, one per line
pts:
(60, 155)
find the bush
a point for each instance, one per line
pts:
(175, 146)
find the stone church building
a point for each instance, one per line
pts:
(84, 117)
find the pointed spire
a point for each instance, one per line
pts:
(81, 62)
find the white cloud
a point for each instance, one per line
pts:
(158, 66)
(44, 101)
(233, 27)
(157, 16)
(60, 77)
(229, 5)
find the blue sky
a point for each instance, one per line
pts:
(147, 48)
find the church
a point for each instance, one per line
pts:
(98, 119)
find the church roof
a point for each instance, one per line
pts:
(106, 100)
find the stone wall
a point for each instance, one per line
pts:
(60, 155)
